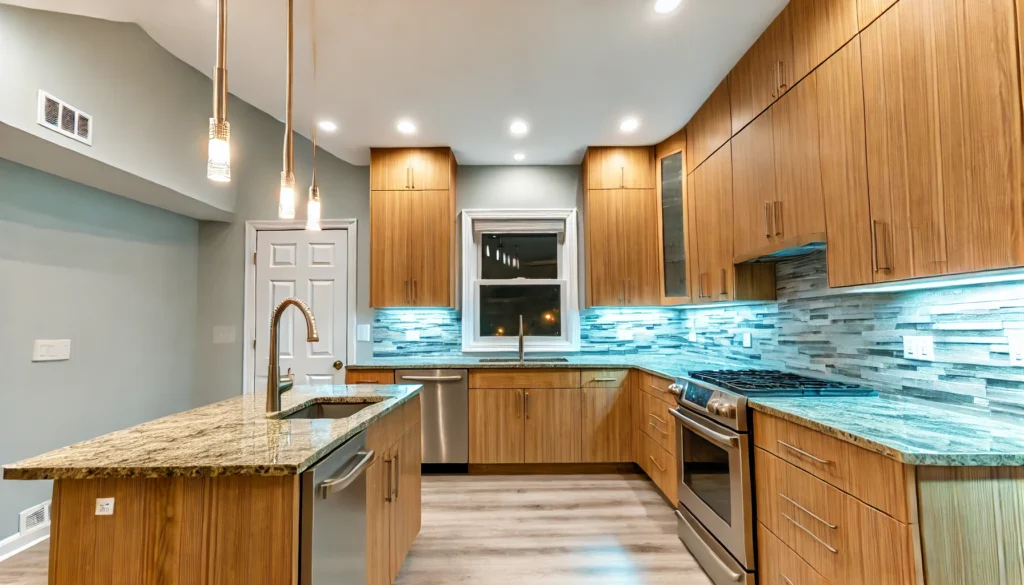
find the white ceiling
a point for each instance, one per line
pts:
(463, 69)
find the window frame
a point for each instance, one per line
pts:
(568, 279)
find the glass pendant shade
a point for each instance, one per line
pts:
(218, 164)
(313, 210)
(286, 202)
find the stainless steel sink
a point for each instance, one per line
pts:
(330, 410)
(516, 360)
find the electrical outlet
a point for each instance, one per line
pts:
(363, 332)
(747, 340)
(926, 348)
(910, 347)
(1017, 348)
(51, 350)
(692, 337)
(104, 506)
(412, 335)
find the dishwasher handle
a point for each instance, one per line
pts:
(337, 484)
(432, 378)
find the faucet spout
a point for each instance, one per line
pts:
(274, 367)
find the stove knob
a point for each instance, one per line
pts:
(713, 406)
(675, 389)
(727, 410)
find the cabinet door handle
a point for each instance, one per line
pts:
(406, 177)
(519, 405)
(808, 512)
(782, 77)
(655, 461)
(803, 453)
(778, 217)
(657, 418)
(527, 402)
(397, 478)
(875, 228)
(387, 494)
(412, 174)
(811, 534)
(767, 221)
(606, 379)
(785, 579)
(622, 291)
(629, 291)
(415, 292)
(622, 177)
(407, 297)
(659, 429)
(725, 283)
(778, 82)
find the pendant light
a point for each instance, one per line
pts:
(313, 206)
(286, 202)
(218, 161)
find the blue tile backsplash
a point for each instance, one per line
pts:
(811, 330)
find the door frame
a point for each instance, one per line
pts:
(252, 229)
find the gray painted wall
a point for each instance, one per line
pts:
(151, 111)
(116, 277)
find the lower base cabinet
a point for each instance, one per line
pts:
(536, 425)
(393, 499)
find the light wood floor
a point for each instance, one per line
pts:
(541, 530)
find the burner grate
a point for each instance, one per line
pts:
(775, 382)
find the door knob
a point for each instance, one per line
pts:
(338, 365)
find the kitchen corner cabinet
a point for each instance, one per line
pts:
(412, 224)
(716, 277)
(606, 422)
(621, 226)
(942, 90)
(673, 233)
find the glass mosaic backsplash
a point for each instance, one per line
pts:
(811, 329)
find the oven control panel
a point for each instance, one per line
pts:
(715, 402)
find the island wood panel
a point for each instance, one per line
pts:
(496, 429)
(369, 376)
(972, 532)
(405, 497)
(552, 425)
(176, 531)
(517, 378)
(843, 539)
(876, 479)
(606, 426)
(378, 521)
(844, 168)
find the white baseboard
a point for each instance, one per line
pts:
(20, 542)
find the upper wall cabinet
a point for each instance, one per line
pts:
(759, 78)
(410, 169)
(819, 28)
(869, 10)
(411, 228)
(620, 168)
(942, 95)
(673, 234)
(710, 128)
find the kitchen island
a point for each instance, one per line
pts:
(222, 493)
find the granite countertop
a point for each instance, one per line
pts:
(913, 431)
(233, 437)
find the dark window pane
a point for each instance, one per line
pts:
(528, 256)
(672, 227)
(540, 306)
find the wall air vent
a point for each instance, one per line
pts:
(34, 518)
(62, 117)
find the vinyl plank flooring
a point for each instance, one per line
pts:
(542, 530)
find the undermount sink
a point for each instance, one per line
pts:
(318, 411)
(516, 360)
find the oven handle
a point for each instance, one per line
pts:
(705, 432)
(734, 577)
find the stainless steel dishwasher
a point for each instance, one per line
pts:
(332, 530)
(444, 403)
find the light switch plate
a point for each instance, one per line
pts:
(1017, 348)
(910, 347)
(926, 348)
(692, 337)
(363, 333)
(412, 335)
(51, 350)
(104, 506)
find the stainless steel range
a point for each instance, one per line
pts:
(716, 488)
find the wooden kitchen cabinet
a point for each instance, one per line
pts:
(606, 425)
(552, 425)
(754, 189)
(942, 92)
(710, 127)
(819, 29)
(673, 233)
(378, 522)
(497, 433)
(406, 497)
(410, 169)
(758, 79)
(609, 167)
(622, 247)
(411, 228)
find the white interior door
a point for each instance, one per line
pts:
(312, 266)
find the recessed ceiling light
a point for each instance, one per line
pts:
(629, 124)
(666, 6)
(520, 157)
(518, 128)
(327, 126)
(406, 126)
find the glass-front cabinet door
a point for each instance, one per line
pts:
(671, 170)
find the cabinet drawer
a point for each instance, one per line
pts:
(872, 478)
(658, 424)
(657, 386)
(524, 378)
(840, 537)
(779, 564)
(603, 378)
(660, 466)
(369, 376)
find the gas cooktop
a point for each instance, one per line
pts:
(775, 383)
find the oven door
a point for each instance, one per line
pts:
(715, 482)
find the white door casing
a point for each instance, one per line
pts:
(318, 268)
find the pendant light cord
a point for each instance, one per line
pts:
(312, 26)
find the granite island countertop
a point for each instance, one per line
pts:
(233, 437)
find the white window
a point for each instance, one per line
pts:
(520, 263)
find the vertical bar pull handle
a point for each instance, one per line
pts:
(725, 283)
(767, 221)
(778, 217)
(879, 243)
(527, 405)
